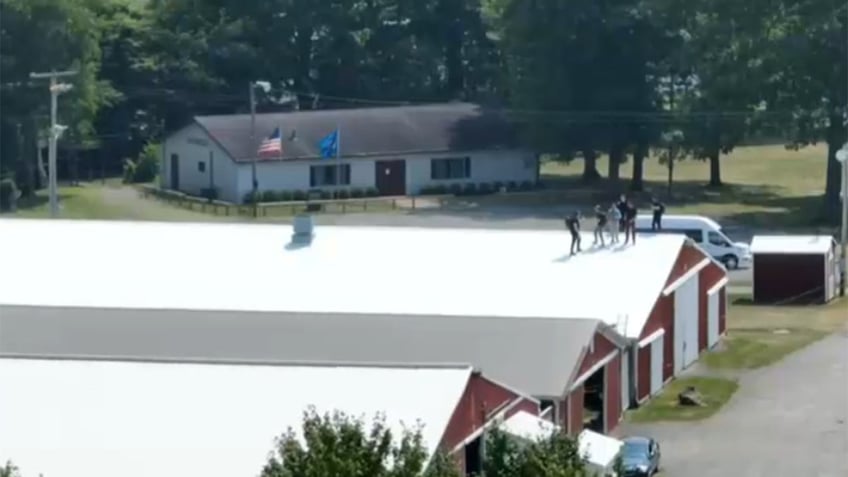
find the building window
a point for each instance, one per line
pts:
(450, 168)
(320, 176)
(201, 166)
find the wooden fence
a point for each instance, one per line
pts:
(291, 208)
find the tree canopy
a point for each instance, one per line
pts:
(582, 77)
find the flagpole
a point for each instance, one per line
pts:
(338, 160)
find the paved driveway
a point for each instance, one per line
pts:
(785, 420)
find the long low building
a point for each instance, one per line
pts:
(589, 335)
(101, 418)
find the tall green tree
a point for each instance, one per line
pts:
(803, 50)
(38, 36)
(337, 444)
(554, 456)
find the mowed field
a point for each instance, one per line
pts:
(764, 186)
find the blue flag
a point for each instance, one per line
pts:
(329, 146)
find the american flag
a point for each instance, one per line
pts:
(272, 146)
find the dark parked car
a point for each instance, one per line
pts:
(640, 456)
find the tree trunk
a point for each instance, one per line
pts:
(670, 166)
(637, 179)
(715, 167)
(835, 140)
(616, 158)
(590, 166)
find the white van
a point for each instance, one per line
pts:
(707, 233)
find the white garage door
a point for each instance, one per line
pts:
(625, 379)
(686, 324)
(712, 318)
(657, 364)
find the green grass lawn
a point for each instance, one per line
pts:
(109, 201)
(759, 336)
(764, 186)
(664, 407)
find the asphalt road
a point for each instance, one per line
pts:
(790, 419)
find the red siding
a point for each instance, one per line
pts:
(481, 397)
(602, 348)
(612, 394)
(662, 316)
(643, 373)
(575, 411)
(722, 310)
(688, 258)
(789, 279)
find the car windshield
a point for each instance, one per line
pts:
(635, 449)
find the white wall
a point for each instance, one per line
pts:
(234, 181)
(486, 166)
(294, 175)
(193, 146)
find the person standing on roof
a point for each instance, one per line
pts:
(614, 222)
(600, 226)
(572, 223)
(630, 223)
(658, 209)
(621, 205)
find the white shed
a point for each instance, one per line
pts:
(795, 268)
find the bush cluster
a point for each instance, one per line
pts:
(145, 168)
(482, 188)
(302, 195)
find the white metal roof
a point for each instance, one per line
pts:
(102, 419)
(527, 426)
(600, 450)
(791, 244)
(390, 270)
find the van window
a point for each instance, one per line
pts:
(695, 234)
(718, 239)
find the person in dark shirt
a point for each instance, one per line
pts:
(600, 226)
(572, 223)
(658, 209)
(630, 223)
(621, 205)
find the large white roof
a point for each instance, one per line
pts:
(390, 270)
(103, 419)
(791, 244)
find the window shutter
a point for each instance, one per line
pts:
(467, 167)
(312, 176)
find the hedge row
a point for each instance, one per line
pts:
(302, 195)
(479, 189)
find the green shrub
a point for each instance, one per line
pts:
(147, 164)
(299, 195)
(497, 186)
(427, 190)
(440, 189)
(270, 196)
(342, 194)
(455, 189)
(469, 189)
(285, 196)
(372, 192)
(357, 193)
(210, 193)
(248, 198)
(526, 185)
(511, 186)
(485, 188)
(129, 171)
(8, 189)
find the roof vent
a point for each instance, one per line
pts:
(303, 230)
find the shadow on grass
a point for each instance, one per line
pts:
(664, 407)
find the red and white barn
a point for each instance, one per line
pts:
(102, 418)
(597, 331)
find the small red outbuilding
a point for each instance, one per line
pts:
(795, 269)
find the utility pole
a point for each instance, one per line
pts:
(254, 149)
(56, 130)
(842, 157)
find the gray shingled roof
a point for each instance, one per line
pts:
(370, 131)
(536, 356)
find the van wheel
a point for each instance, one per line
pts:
(731, 262)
